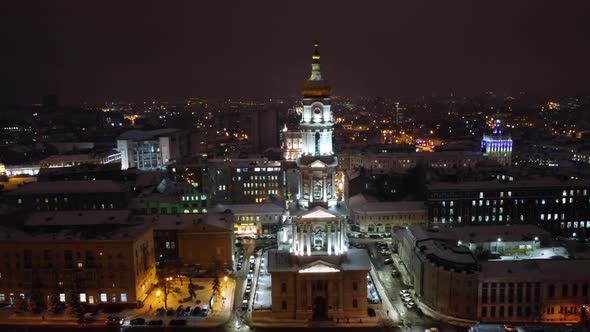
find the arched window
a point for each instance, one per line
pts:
(284, 305)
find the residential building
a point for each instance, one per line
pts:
(69, 195)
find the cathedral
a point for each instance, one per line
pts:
(315, 275)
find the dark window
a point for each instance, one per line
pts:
(354, 285)
(28, 259)
(494, 293)
(492, 311)
(519, 311)
(484, 293)
(575, 290)
(564, 290)
(551, 290)
(501, 311)
(354, 303)
(484, 311)
(284, 305)
(284, 287)
(510, 311)
(68, 259)
(502, 292)
(585, 290)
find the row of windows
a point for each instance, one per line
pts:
(390, 217)
(509, 312)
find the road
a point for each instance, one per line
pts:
(410, 319)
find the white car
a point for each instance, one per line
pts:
(251, 259)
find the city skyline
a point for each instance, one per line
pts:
(91, 53)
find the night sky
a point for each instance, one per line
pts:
(104, 50)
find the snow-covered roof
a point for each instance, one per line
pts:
(78, 218)
(61, 187)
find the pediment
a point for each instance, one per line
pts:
(318, 164)
(319, 267)
(319, 213)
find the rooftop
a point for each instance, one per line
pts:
(284, 261)
(62, 187)
(78, 218)
(184, 221)
(141, 135)
(542, 182)
(238, 209)
(359, 203)
(121, 233)
(533, 270)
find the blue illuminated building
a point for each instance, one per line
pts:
(497, 145)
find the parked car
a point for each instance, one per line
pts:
(137, 321)
(113, 320)
(388, 261)
(394, 273)
(187, 310)
(196, 311)
(245, 305)
(374, 236)
(85, 320)
(170, 312)
(410, 305)
(178, 322)
(205, 310)
(246, 295)
(251, 259)
(156, 322)
(404, 291)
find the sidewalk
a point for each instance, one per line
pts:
(385, 301)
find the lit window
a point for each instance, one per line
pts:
(62, 297)
(103, 297)
(83, 297)
(123, 297)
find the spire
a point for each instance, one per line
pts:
(315, 65)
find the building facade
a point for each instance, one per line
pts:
(254, 219)
(561, 207)
(153, 150)
(497, 145)
(102, 266)
(69, 195)
(384, 217)
(244, 181)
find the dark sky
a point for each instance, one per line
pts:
(97, 50)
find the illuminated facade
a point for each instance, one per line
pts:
(498, 146)
(317, 162)
(315, 276)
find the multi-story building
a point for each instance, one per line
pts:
(170, 198)
(69, 195)
(254, 219)
(370, 216)
(527, 283)
(242, 181)
(100, 263)
(199, 241)
(562, 207)
(291, 144)
(153, 150)
(386, 162)
(497, 145)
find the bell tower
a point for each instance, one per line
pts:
(317, 162)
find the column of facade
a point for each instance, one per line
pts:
(308, 282)
(324, 188)
(309, 234)
(311, 187)
(336, 243)
(298, 295)
(294, 237)
(329, 237)
(301, 237)
(333, 184)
